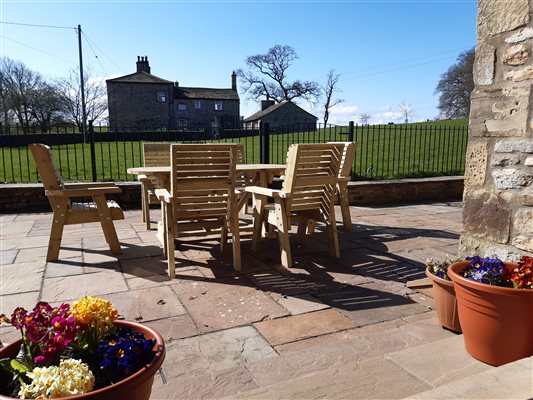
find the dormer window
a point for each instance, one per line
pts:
(161, 96)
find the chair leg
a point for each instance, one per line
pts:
(107, 224)
(282, 224)
(169, 236)
(345, 207)
(146, 209)
(56, 232)
(224, 235)
(259, 216)
(235, 240)
(332, 233)
(303, 225)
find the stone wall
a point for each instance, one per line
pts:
(24, 198)
(498, 195)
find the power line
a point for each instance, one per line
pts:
(95, 55)
(396, 69)
(36, 49)
(37, 25)
(100, 50)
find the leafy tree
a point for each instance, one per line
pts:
(95, 97)
(47, 106)
(455, 86)
(330, 89)
(406, 110)
(266, 77)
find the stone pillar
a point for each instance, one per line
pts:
(498, 194)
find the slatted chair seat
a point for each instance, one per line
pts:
(307, 194)
(68, 212)
(202, 198)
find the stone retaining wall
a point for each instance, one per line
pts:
(498, 197)
(30, 197)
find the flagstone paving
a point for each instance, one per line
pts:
(331, 328)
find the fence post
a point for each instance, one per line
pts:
(264, 142)
(350, 131)
(93, 152)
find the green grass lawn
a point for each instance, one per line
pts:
(383, 152)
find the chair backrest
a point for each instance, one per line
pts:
(202, 180)
(50, 176)
(348, 157)
(156, 154)
(311, 175)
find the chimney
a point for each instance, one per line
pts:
(234, 81)
(266, 103)
(142, 64)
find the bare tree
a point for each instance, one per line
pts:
(95, 97)
(47, 107)
(266, 77)
(455, 86)
(330, 89)
(19, 85)
(406, 110)
(364, 117)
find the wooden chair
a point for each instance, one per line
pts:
(202, 198)
(345, 176)
(67, 212)
(154, 154)
(307, 193)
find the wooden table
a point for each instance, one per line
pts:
(260, 175)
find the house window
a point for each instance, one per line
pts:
(161, 96)
(182, 124)
(197, 104)
(182, 107)
(218, 106)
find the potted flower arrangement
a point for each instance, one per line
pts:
(495, 302)
(443, 293)
(79, 352)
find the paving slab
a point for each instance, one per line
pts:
(367, 306)
(292, 328)
(19, 278)
(300, 303)
(512, 381)
(439, 362)
(212, 385)
(226, 303)
(369, 379)
(173, 328)
(76, 286)
(215, 351)
(147, 304)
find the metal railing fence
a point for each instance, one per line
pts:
(383, 151)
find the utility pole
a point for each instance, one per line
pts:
(82, 88)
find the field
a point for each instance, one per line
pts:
(383, 152)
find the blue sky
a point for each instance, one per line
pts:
(387, 52)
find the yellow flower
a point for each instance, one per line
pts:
(71, 377)
(94, 311)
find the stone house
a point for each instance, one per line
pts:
(285, 114)
(144, 101)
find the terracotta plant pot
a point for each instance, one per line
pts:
(135, 387)
(497, 322)
(445, 302)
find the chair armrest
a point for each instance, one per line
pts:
(265, 191)
(163, 195)
(83, 192)
(82, 185)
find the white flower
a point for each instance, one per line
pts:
(70, 378)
